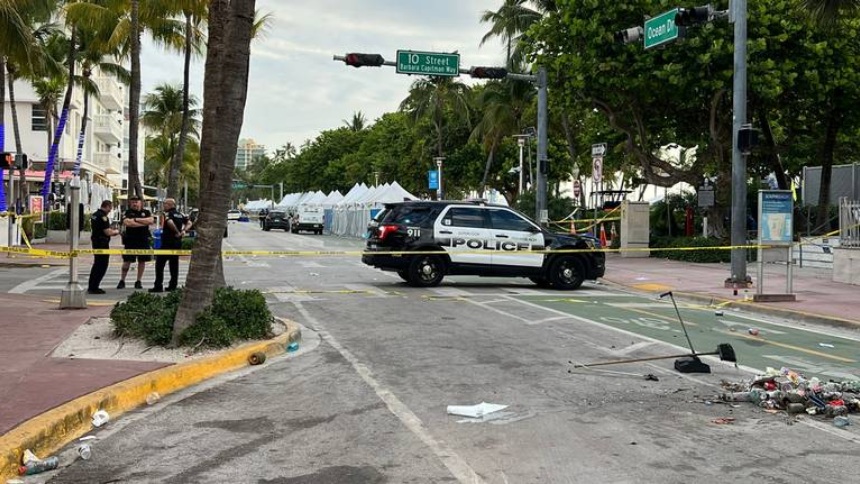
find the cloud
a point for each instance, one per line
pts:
(296, 90)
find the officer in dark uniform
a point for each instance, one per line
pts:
(136, 221)
(102, 232)
(175, 225)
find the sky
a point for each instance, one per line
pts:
(296, 90)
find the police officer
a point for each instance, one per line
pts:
(175, 225)
(102, 232)
(136, 221)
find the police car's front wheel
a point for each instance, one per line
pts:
(566, 272)
(426, 271)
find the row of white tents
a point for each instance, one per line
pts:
(345, 215)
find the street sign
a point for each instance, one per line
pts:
(428, 63)
(706, 196)
(239, 185)
(577, 189)
(661, 29)
(598, 149)
(776, 210)
(433, 180)
(597, 168)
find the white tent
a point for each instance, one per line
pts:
(354, 212)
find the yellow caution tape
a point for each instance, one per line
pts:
(296, 253)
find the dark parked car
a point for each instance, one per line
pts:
(276, 219)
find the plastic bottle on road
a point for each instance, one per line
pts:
(39, 466)
(85, 451)
(841, 421)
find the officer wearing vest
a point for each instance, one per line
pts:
(102, 232)
(175, 225)
(136, 221)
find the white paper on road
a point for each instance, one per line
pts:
(475, 411)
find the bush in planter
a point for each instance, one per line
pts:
(188, 243)
(233, 315)
(704, 255)
(40, 231)
(57, 220)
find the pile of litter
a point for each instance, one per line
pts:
(788, 390)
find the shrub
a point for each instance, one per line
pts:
(705, 255)
(234, 315)
(57, 220)
(188, 243)
(146, 316)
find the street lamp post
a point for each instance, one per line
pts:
(521, 142)
(439, 191)
(739, 162)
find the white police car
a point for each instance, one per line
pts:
(474, 238)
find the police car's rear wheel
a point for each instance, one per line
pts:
(566, 272)
(426, 271)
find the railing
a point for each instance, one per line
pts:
(108, 125)
(109, 162)
(849, 223)
(110, 93)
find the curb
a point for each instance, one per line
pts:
(50, 431)
(755, 308)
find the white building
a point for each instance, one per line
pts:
(102, 170)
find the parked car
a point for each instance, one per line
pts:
(233, 215)
(475, 238)
(309, 219)
(276, 219)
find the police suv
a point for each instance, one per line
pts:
(475, 238)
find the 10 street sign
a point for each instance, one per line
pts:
(428, 63)
(661, 29)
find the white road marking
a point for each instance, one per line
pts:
(458, 467)
(32, 284)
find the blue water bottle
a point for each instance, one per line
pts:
(156, 239)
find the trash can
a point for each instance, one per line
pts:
(156, 239)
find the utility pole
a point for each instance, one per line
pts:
(543, 168)
(739, 162)
(73, 296)
(521, 142)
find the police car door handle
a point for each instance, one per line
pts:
(502, 236)
(445, 232)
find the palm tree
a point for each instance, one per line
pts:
(119, 24)
(827, 14)
(160, 150)
(94, 55)
(511, 21)
(231, 28)
(431, 96)
(357, 123)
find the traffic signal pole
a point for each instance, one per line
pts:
(739, 162)
(540, 80)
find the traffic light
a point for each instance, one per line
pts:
(628, 36)
(21, 161)
(7, 161)
(361, 60)
(747, 138)
(488, 72)
(687, 17)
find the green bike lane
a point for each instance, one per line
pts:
(758, 343)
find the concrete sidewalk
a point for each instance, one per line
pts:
(819, 299)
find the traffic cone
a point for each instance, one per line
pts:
(572, 228)
(603, 237)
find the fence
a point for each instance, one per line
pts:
(849, 223)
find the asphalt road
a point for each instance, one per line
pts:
(365, 399)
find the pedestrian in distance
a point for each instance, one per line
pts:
(136, 221)
(102, 232)
(175, 225)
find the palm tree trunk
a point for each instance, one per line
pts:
(64, 116)
(179, 154)
(834, 121)
(134, 186)
(225, 92)
(16, 128)
(772, 152)
(490, 158)
(2, 128)
(82, 136)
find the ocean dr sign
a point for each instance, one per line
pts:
(661, 29)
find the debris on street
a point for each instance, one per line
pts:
(475, 411)
(788, 390)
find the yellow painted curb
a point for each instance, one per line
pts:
(50, 431)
